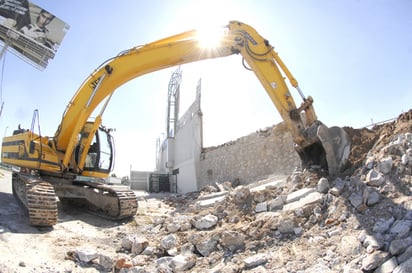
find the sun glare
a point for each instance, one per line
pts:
(210, 37)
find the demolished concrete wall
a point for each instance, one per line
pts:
(265, 152)
(258, 155)
(187, 148)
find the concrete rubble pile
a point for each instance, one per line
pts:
(302, 223)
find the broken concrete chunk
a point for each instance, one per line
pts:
(296, 195)
(106, 262)
(206, 246)
(182, 263)
(255, 260)
(385, 165)
(312, 198)
(232, 240)
(399, 246)
(374, 178)
(323, 185)
(139, 244)
(206, 222)
(277, 203)
(261, 207)
(374, 260)
(168, 242)
(356, 199)
(87, 255)
(286, 226)
(241, 195)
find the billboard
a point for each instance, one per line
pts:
(30, 31)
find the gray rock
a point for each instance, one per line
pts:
(385, 165)
(259, 269)
(149, 250)
(398, 246)
(183, 262)
(311, 198)
(87, 255)
(405, 267)
(168, 242)
(261, 207)
(286, 226)
(140, 260)
(374, 178)
(401, 227)
(139, 244)
(259, 197)
(232, 240)
(405, 159)
(296, 195)
(277, 203)
(106, 262)
(127, 242)
(382, 225)
(255, 260)
(356, 199)
(373, 197)
(241, 195)
(206, 245)
(136, 269)
(323, 185)
(374, 260)
(349, 246)
(370, 161)
(165, 261)
(172, 227)
(405, 255)
(388, 266)
(338, 187)
(373, 242)
(206, 222)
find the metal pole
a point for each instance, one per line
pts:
(12, 35)
(5, 47)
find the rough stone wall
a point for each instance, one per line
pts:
(265, 152)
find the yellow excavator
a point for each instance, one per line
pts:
(71, 164)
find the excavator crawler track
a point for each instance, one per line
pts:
(127, 203)
(110, 202)
(126, 207)
(37, 197)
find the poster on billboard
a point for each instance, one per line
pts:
(30, 31)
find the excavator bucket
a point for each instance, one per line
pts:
(336, 143)
(330, 151)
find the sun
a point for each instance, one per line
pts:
(209, 36)
(208, 18)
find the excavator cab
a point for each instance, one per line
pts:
(99, 157)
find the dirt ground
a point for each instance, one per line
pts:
(29, 249)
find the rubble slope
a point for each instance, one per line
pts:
(359, 221)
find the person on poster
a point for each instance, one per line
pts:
(38, 31)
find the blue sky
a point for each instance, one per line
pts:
(354, 57)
